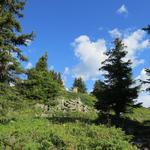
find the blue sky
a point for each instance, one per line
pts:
(75, 33)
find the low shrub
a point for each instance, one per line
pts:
(34, 134)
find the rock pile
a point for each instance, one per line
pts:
(72, 105)
(65, 105)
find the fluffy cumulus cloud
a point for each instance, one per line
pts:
(115, 33)
(65, 74)
(90, 54)
(144, 98)
(142, 76)
(136, 43)
(122, 10)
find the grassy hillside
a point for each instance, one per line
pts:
(32, 128)
(31, 133)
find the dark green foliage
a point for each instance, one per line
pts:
(79, 84)
(119, 93)
(56, 77)
(11, 41)
(10, 100)
(41, 65)
(98, 88)
(100, 93)
(11, 38)
(40, 84)
(147, 29)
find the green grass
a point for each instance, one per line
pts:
(42, 134)
(27, 129)
(140, 114)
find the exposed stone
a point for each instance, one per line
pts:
(72, 105)
(75, 90)
(65, 105)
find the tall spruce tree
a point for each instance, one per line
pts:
(11, 41)
(11, 38)
(120, 91)
(79, 84)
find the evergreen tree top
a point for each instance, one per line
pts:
(42, 65)
(79, 84)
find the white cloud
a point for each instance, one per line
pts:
(115, 33)
(122, 10)
(90, 54)
(144, 98)
(28, 42)
(29, 65)
(135, 43)
(142, 76)
(66, 71)
(65, 74)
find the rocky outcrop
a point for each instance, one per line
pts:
(65, 105)
(72, 105)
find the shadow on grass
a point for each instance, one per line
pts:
(139, 131)
(68, 119)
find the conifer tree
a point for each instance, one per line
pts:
(11, 41)
(56, 77)
(98, 88)
(40, 84)
(79, 83)
(147, 29)
(11, 38)
(120, 92)
(59, 79)
(41, 65)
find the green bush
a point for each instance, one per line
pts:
(34, 134)
(10, 100)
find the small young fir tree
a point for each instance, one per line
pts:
(79, 84)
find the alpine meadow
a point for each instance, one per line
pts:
(74, 75)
